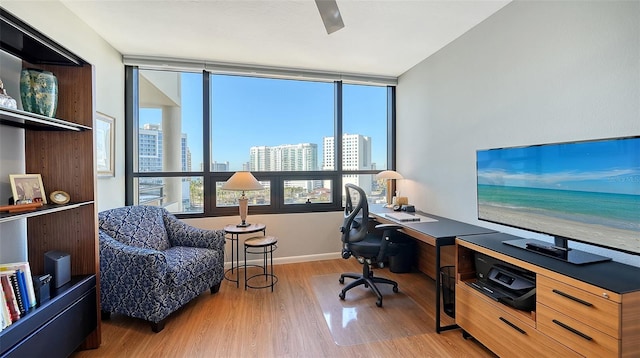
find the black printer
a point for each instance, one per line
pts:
(504, 282)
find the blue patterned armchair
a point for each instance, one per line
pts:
(151, 263)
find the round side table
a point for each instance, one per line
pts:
(235, 232)
(265, 246)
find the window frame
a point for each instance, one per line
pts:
(277, 178)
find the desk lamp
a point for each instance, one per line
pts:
(242, 181)
(389, 175)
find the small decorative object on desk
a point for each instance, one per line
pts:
(59, 197)
(6, 100)
(39, 91)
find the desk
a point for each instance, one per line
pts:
(438, 233)
(235, 233)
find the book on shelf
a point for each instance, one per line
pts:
(5, 315)
(18, 293)
(13, 278)
(28, 280)
(10, 298)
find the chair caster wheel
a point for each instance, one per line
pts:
(395, 289)
(366, 286)
(379, 303)
(341, 280)
(341, 295)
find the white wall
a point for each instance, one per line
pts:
(301, 237)
(57, 22)
(534, 72)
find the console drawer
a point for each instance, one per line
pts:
(506, 334)
(577, 335)
(592, 310)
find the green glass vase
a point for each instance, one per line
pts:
(39, 91)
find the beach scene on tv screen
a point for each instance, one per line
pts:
(586, 191)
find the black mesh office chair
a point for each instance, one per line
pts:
(367, 247)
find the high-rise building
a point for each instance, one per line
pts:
(150, 151)
(287, 157)
(220, 166)
(153, 191)
(356, 155)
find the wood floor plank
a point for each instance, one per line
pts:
(286, 323)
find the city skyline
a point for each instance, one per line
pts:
(249, 111)
(283, 157)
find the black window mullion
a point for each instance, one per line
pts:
(131, 120)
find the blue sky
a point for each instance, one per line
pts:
(253, 112)
(611, 166)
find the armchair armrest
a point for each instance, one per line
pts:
(183, 234)
(126, 261)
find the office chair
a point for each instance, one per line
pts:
(367, 247)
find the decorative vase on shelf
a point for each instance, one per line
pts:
(39, 91)
(6, 100)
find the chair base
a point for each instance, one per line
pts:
(368, 280)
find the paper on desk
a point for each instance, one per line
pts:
(409, 218)
(426, 219)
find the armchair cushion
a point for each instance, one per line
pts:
(140, 226)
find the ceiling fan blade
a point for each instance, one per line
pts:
(330, 15)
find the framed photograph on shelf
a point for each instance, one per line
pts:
(27, 188)
(105, 144)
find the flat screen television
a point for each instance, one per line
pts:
(587, 191)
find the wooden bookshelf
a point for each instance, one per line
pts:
(61, 149)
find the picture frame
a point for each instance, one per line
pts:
(105, 144)
(27, 188)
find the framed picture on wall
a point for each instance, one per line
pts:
(105, 144)
(27, 188)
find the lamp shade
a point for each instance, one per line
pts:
(242, 181)
(389, 174)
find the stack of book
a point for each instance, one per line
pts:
(17, 292)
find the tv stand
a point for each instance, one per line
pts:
(558, 252)
(580, 310)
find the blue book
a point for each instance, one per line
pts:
(23, 289)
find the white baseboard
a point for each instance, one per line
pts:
(290, 259)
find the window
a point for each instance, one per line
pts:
(264, 124)
(169, 140)
(192, 131)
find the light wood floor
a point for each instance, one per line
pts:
(286, 323)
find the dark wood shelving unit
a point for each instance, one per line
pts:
(22, 119)
(44, 210)
(61, 149)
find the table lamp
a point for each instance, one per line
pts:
(389, 175)
(242, 181)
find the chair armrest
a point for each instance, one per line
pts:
(388, 227)
(183, 234)
(122, 260)
(386, 239)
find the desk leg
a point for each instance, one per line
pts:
(438, 290)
